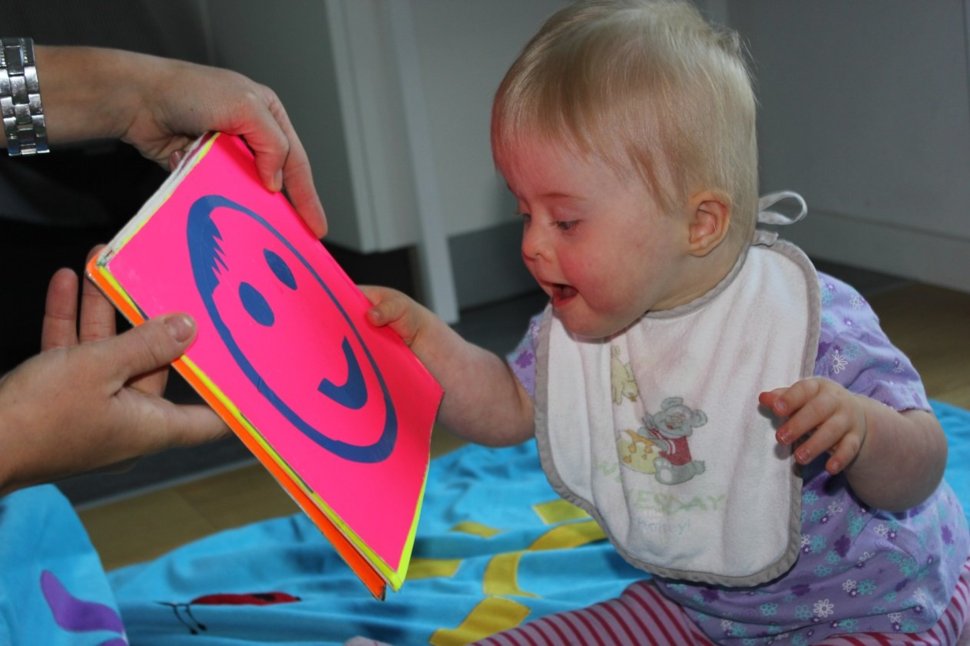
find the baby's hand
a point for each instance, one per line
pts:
(395, 309)
(822, 416)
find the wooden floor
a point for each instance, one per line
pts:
(931, 325)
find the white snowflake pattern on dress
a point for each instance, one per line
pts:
(921, 597)
(839, 363)
(823, 608)
(865, 556)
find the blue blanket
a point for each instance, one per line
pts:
(495, 547)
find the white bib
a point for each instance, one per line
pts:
(657, 433)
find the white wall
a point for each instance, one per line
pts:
(466, 47)
(865, 110)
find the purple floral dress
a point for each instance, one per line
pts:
(860, 569)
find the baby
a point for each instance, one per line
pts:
(688, 355)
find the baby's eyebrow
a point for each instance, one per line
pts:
(548, 195)
(558, 195)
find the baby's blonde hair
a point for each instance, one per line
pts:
(646, 86)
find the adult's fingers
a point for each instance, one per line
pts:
(298, 177)
(149, 346)
(195, 424)
(59, 327)
(303, 194)
(282, 162)
(97, 320)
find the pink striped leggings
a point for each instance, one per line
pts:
(641, 615)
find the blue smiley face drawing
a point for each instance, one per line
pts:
(243, 283)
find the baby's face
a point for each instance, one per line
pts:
(596, 243)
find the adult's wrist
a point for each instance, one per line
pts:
(88, 92)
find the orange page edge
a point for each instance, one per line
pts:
(367, 573)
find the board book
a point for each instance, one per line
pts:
(338, 411)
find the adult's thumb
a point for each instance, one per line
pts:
(153, 344)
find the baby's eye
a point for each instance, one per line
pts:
(526, 217)
(566, 225)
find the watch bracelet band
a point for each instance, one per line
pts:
(23, 113)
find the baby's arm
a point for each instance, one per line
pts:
(893, 460)
(483, 401)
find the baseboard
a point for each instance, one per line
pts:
(906, 252)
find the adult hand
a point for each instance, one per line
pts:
(161, 105)
(91, 398)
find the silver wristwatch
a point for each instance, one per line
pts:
(23, 113)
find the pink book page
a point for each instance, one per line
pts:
(282, 334)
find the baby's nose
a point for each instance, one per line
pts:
(534, 244)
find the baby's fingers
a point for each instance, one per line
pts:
(832, 436)
(805, 406)
(392, 308)
(785, 402)
(770, 398)
(385, 305)
(844, 452)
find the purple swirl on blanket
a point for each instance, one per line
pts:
(76, 615)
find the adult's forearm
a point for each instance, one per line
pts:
(90, 93)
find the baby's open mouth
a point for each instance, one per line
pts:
(562, 293)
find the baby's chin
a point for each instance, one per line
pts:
(595, 331)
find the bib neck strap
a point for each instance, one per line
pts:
(768, 216)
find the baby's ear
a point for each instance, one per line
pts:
(710, 215)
